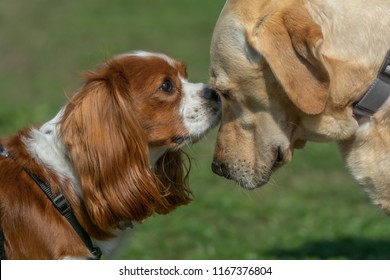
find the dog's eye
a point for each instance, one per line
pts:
(167, 87)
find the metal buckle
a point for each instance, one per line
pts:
(387, 70)
(97, 253)
(3, 151)
(61, 204)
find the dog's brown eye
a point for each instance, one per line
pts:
(167, 87)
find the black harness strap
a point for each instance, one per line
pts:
(2, 251)
(61, 204)
(4, 153)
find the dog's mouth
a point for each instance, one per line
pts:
(299, 144)
(279, 159)
(246, 176)
(192, 138)
(180, 139)
(221, 170)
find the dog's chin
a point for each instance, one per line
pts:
(244, 177)
(250, 180)
(193, 138)
(253, 183)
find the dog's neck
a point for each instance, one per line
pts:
(345, 55)
(45, 145)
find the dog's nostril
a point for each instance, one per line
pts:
(211, 94)
(220, 169)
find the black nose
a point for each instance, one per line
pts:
(212, 95)
(220, 169)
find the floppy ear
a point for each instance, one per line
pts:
(109, 152)
(290, 44)
(173, 175)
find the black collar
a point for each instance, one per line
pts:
(61, 204)
(377, 94)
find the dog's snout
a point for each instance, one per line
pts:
(212, 95)
(220, 169)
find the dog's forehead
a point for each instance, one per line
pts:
(230, 50)
(225, 47)
(158, 58)
(143, 54)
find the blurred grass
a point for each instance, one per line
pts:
(311, 209)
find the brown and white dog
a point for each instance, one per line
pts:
(114, 152)
(291, 71)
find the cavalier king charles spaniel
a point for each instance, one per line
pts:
(111, 157)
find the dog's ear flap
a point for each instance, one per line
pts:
(109, 152)
(290, 44)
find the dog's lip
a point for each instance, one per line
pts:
(180, 139)
(278, 159)
(299, 144)
(221, 170)
(281, 157)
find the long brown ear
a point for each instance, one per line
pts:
(290, 42)
(108, 150)
(173, 175)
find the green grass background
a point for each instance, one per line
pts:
(311, 209)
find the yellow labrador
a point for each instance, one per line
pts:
(291, 71)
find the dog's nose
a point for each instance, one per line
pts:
(212, 95)
(220, 169)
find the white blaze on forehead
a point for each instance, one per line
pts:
(145, 54)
